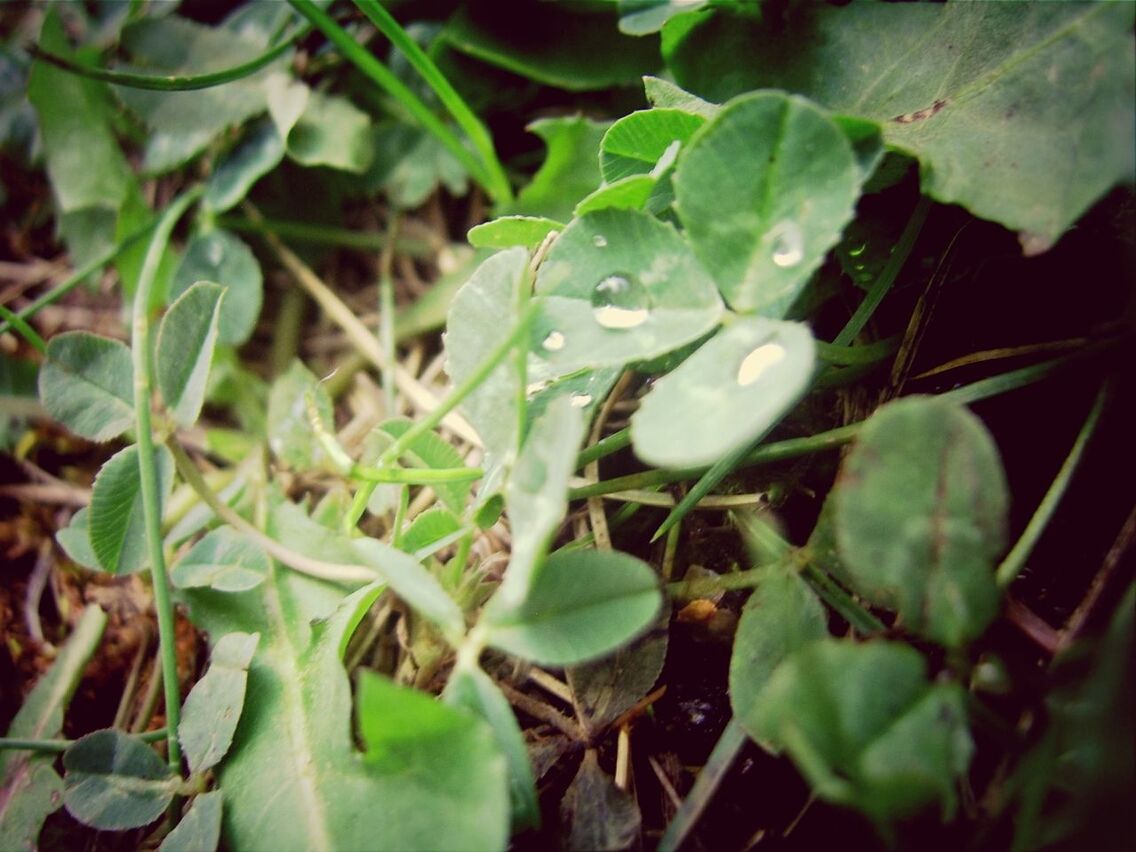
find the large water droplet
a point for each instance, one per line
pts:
(579, 400)
(758, 361)
(620, 301)
(788, 244)
(599, 241)
(554, 342)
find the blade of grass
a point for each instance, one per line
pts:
(20, 324)
(447, 94)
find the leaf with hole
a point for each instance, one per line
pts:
(186, 338)
(118, 529)
(866, 728)
(620, 286)
(921, 510)
(780, 616)
(764, 190)
(87, 384)
(581, 604)
(219, 256)
(31, 790)
(213, 707)
(748, 376)
(115, 781)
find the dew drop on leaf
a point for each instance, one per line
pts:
(788, 244)
(554, 342)
(599, 241)
(758, 361)
(579, 400)
(620, 302)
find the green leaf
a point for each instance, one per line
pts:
(643, 17)
(87, 384)
(634, 144)
(472, 689)
(763, 191)
(214, 705)
(747, 377)
(224, 560)
(186, 338)
(570, 169)
(509, 231)
(410, 163)
(597, 814)
(627, 193)
(452, 758)
(200, 829)
(221, 257)
(663, 94)
(414, 584)
(256, 155)
(585, 390)
(921, 507)
(30, 788)
(866, 728)
(183, 123)
(115, 781)
(543, 42)
(604, 689)
(75, 539)
(426, 532)
(118, 535)
(290, 434)
(87, 169)
(580, 605)
(781, 616)
(483, 307)
(620, 286)
(430, 450)
(319, 129)
(536, 494)
(992, 98)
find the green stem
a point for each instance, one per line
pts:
(59, 746)
(147, 469)
(604, 447)
(887, 277)
(307, 232)
(170, 82)
(840, 601)
(77, 277)
(447, 94)
(707, 586)
(519, 332)
(847, 356)
(362, 59)
(26, 331)
(1016, 559)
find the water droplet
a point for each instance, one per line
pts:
(620, 301)
(758, 361)
(599, 241)
(856, 251)
(554, 342)
(788, 244)
(579, 400)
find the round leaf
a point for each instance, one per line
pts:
(921, 517)
(186, 339)
(219, 256)
(86, 383)
(115, 781)
(118, 529)
(225, 561)
(259, 152)
(581, 604)
(764, 190)
(746, 378)
(620, 286)
(634, 144)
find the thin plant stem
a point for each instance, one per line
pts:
(147, 467)
(307, 232)
(847, 356)
(171, 82)
(59, 746)
(362, 59)
(1016, 559)
(840, 601)
(705, 586)
(20, 324)
(613, 443)
(472, 382)
(887, 277)
(447, 94)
